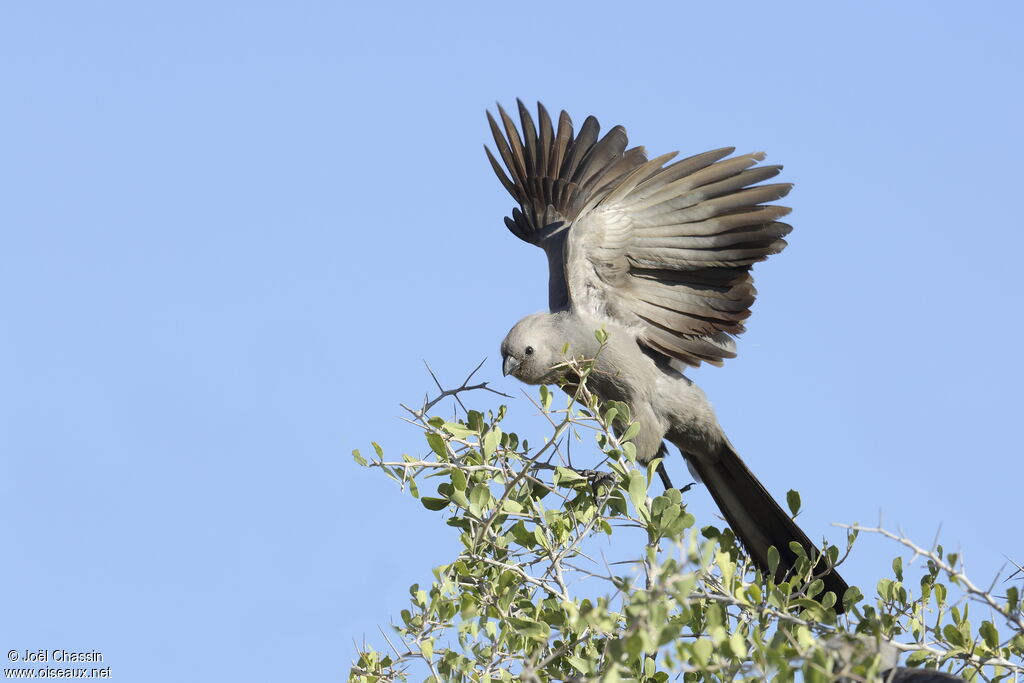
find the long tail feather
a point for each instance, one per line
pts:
(757, 520)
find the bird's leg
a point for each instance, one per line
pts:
(663, 473)
(596, 478)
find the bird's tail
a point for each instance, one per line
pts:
(757, 520)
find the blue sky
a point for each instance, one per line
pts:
(231, 233)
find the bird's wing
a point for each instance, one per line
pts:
(552, 173)
(664, 248)
(668, 251)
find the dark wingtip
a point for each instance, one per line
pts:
(542, 111)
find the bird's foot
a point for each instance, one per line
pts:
(596, 478)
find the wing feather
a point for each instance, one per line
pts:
(500, 172)
(563, 139)
(529, 135)
(750, 235)
(503, 149)
(682, 168)
(629, 160)
(666, 226)
(634, 179)
(684, 300)
(515, 145)
(600, 157)
(585, 139)
(718, 188)
(544, 146)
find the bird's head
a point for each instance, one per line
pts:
(532, 350)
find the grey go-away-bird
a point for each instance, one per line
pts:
(658, 255)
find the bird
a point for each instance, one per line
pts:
(846, 648)
(657, 254)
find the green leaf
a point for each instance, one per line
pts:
(377, 449)
(534, 630)
(773, 560)
(813, 610)
(522, 536)
(632, 431)
(953, 635)
(737, 644)
(479, 496)
(491, 440)
(897, 568)
(457, 430)
(702, 649)
(804, 637)
(580, 664)
(852, 597)
(726, 566)
(563, 475)
(793, 501)
(459, 479)
(990, 634)
(358, 458)
(637, 488)
(434, 504)
(427, 648)
(545, 398)
(609, 416)
(436, 442)
(621, 410)
(459, 498)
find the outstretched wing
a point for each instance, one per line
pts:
(665, 248)
(552, 174)
(669, 250)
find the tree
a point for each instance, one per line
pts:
(532, 597)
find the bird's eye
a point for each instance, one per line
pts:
(529, 350)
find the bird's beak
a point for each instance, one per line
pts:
(510, 365)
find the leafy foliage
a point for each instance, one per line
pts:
(527, 598)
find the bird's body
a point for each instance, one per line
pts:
(658, 256)
(668, 406)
